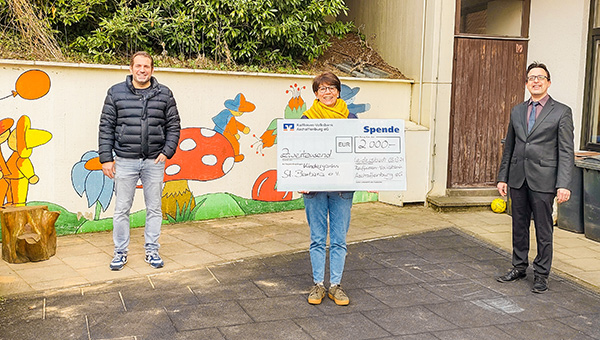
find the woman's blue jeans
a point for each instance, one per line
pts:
(319, 206)
(128, 171)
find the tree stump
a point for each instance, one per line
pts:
(28, 233)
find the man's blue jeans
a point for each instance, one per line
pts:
(319, 206)
(128, 171)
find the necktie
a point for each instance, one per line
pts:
(531, 117)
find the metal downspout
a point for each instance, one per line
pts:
(433, 127)
(422, 62)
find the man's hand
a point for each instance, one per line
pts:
(563, 195)
(108, 169)
(160, 158)
(502, 186)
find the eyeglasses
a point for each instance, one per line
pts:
(324, 89)
(538, 78)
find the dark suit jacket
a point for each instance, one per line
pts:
(545, 156)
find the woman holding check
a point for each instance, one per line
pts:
(323, 205)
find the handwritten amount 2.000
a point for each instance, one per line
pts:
(378, 144)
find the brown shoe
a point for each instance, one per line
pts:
(337, 294)
(316, 294)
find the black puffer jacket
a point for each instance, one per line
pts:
(138, 123)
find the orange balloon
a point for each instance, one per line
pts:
(32, 84)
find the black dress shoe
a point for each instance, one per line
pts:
(540, 285)
(513, 275)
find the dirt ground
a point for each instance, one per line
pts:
(356, 52)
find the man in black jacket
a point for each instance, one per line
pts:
(140, 125)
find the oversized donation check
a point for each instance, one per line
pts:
(340, 154)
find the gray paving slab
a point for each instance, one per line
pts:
(398, 258)
(215, 292)
(360, 279)
(279, 308)
(77, 304)
(491, 267)
(361, 301)
(478, 253)
(146, 324)
(461, 290)
(527, 308)
(577, 301)
(217, 314)
(169, 298)
(399, 289)
(420, 336)
(543, 330)
(394, 244)
(404, 295)
(276, 286)
(445, 272)
(395, 276)
(189, 278)
(444, 255)
(242, 270)
(287, 265)
(205, 334)
(49, 328)
(281, 330)
(488, 333)
(472, 313)
(342, 326)
(409, 320)
(588, 324)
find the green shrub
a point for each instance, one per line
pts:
(252, 32)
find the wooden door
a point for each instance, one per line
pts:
(488, 80)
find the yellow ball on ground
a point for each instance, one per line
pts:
(498, 205)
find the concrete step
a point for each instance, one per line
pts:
(459, 202)
(478, 191)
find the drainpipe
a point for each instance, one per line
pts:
(433, 127)
(421, 67)
(421, 72)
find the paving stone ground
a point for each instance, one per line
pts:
(432, 285)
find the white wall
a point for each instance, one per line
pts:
(393, 28)
(71, 111)
(558, 37)
(422, 48)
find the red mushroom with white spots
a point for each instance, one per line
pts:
(202, 155)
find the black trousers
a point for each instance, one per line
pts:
(525, 202)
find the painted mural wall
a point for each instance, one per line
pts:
(225, 163)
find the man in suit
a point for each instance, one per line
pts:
(536, 164)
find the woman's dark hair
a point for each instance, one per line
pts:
(327, 78)
(536, 64)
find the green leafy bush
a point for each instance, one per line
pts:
(251, 32)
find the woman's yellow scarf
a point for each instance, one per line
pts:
(320, 111)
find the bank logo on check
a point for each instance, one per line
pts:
(288, 126)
